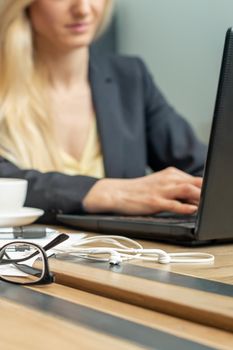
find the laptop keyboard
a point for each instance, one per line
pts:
(166, 218)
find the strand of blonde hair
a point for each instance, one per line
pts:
(26, 129)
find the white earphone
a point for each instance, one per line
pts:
(116, 252)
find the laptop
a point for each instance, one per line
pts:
(214, 220)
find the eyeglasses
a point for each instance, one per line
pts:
(29, 261)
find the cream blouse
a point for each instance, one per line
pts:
(91, 162)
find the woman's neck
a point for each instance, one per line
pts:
(65, 69)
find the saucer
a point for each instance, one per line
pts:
(21, 217)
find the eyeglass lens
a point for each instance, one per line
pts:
(23, 262)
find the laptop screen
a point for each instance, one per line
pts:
(215, 219)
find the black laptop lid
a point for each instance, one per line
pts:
(215, 215)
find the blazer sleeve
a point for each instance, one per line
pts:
(52, 191)
(170, 139)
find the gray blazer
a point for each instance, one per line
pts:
(137, 128)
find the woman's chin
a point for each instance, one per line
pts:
(77, 44)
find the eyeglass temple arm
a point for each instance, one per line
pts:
(57, 240)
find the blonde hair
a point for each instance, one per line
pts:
(26, 131)
(107, 16)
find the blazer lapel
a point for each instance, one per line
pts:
(108, 113)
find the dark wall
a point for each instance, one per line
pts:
(108, 41)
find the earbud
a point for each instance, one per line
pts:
(115, 258)
(164, 259)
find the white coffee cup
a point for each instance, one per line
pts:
(12, 194)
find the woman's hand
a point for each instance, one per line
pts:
(168, 190)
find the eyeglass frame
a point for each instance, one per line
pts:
(47, 277)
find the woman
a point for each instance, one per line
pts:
(81, 130)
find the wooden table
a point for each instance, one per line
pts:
(136, 305)
(198, 293)
(58, 317)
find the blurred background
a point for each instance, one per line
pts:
(181, 42)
